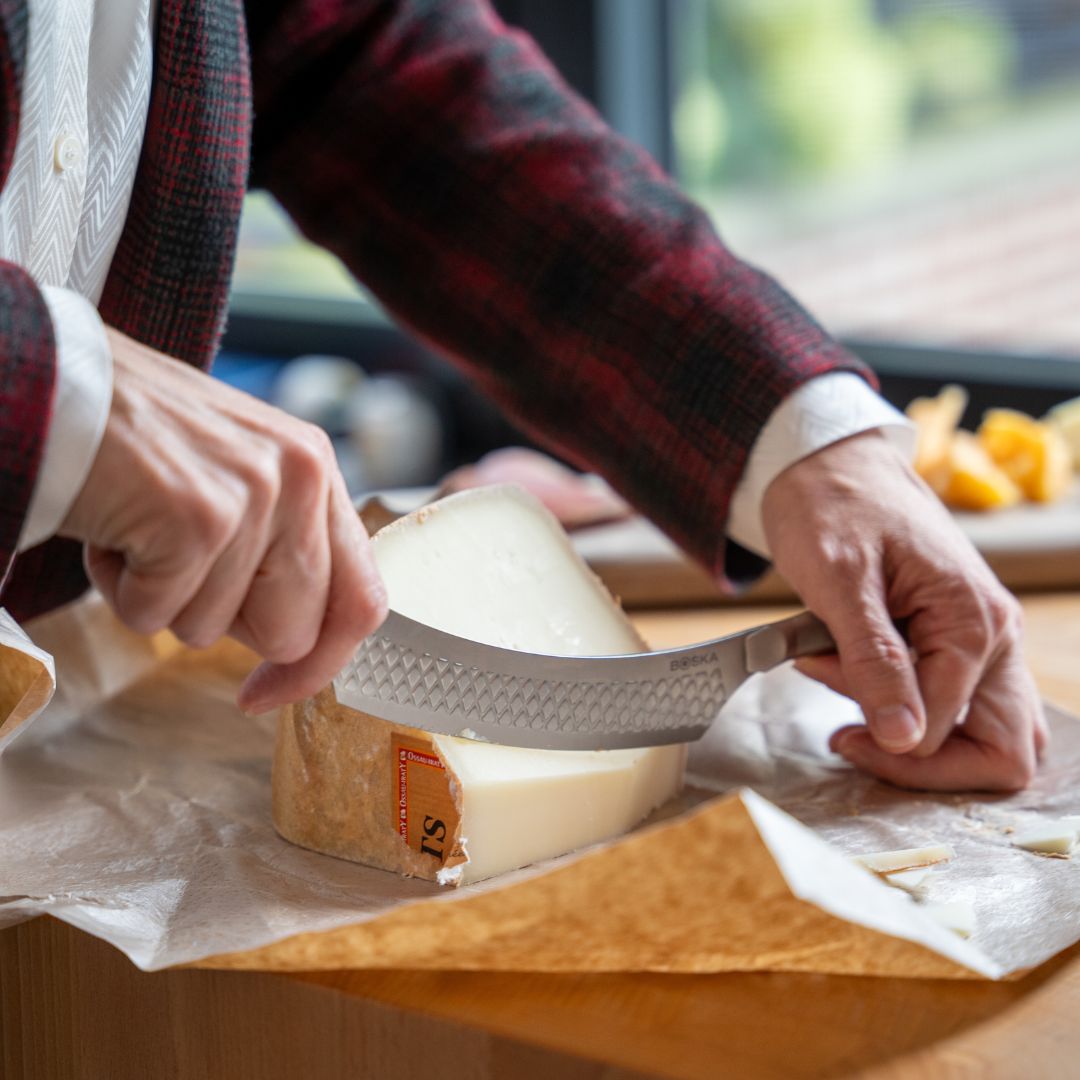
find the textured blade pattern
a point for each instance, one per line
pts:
(389, 679)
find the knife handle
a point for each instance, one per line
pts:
(800, 635)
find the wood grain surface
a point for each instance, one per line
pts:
(73, 1007)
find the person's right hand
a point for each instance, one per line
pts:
(211, 513)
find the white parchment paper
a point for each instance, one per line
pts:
(137, 808)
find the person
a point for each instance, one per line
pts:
(443, 159)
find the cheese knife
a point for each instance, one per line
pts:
(419, 676)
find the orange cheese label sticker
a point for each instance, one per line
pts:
(425, 815)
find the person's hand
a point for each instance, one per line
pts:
(210, 513)
(865, 544)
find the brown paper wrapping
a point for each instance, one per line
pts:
(695, 895)
(27, 679)
(144, 817)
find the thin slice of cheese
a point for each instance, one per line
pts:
(493, 565)
(911, 881)
(888, 862)
(1049, 838)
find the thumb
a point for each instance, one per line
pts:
(877, 667)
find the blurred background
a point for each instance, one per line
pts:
(910, 169)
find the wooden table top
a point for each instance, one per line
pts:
(74, 1007)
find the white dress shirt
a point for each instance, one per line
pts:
(820, 412)
(85, 99)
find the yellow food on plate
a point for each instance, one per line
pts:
(1034, 454)
(1065, 418)
(969, 479)
(936, 420)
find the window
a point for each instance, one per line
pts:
(909, 168)
(274, 263)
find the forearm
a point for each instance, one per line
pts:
(448, 165)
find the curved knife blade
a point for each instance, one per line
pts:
(419, 676)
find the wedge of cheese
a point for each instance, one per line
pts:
(493, 565)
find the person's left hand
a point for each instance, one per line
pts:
(865, 543)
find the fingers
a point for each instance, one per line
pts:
(875, 667)
(207, 511)
(356, 605)
(996, 748)
(214, 608)
(270, 589)
(962, 764)
(858, 535)
(947, 680)
(825, 670)
(957, 640)
(151, 582)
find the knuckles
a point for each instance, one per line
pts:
(210, 520)
(1005, 616)
(844, 561)
(262, 481)
(307, 452)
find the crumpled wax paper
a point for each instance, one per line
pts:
(137, 808)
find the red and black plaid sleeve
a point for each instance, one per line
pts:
(445, 161)
(27, 344)
(27, 379)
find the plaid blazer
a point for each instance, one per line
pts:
(445, 162)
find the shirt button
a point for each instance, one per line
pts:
(67, 152)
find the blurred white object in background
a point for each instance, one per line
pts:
(317, 389)
(397, 431)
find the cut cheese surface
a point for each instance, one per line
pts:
(493, 565)
(521, 806)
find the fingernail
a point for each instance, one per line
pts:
(839, 742)
(896, 727)
(257, 708)
(249, 700)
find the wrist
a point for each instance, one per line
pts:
(827, 481)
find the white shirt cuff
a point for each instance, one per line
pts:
(80, 411)
(820, 412)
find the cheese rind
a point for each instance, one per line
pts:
(888, 862)
(911, 881)
(492, 565)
